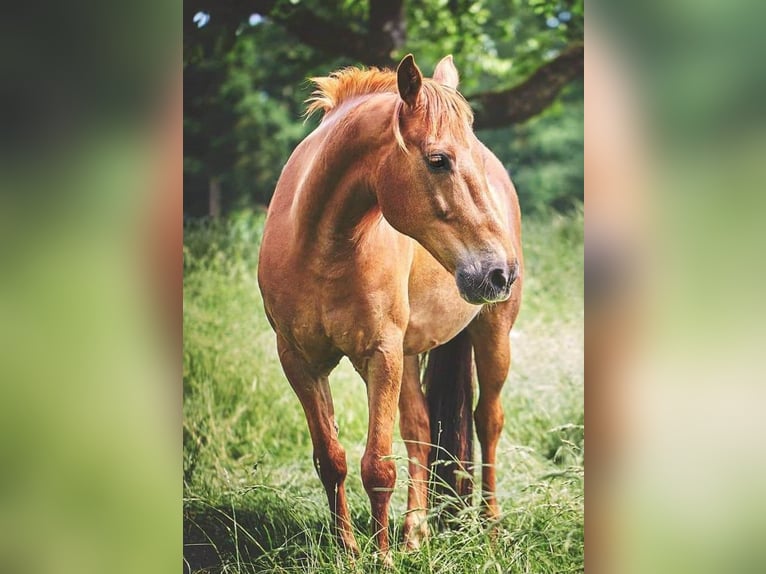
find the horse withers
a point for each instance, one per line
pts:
(394, 232)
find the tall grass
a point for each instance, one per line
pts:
(253, 502)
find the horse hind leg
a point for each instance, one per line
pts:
(415, 431)
(329, 456)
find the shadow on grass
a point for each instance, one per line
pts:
(217, 537)
(258, 533)
(264, 529)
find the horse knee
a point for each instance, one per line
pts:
(378, 476)
(331, 465)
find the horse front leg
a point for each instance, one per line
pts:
(329, 456)
(382, 371)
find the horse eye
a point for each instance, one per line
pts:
(438, 162)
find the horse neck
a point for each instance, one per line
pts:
(337, 194)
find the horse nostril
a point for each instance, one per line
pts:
(498, 278)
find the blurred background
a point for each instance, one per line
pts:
(675, 140)
(246, 65)
(90, 237)
(90, 275)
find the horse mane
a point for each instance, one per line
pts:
(443, 107)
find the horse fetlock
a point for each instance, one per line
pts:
(490, 508)
(384, 559)
(415, 529)
(347, 541)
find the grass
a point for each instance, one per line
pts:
(252, 500)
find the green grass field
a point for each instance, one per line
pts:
(252, 500)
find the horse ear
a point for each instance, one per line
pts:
(446, 73)
(409, 80)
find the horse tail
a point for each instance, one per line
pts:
(448, 381)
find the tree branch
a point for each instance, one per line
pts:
(532, 96)
(387, 31)
(322, 34)
(311, 29)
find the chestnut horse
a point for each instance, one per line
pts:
(393, 232)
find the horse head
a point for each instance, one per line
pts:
(432, 185)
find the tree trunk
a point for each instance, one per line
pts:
(532, 96)
(387, 32)
(214, 204)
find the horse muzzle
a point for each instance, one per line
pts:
(489, 281)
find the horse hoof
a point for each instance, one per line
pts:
(411, 544)
(353, 550)
(415, 533)
(349, 545)
(413, 540)
(385, 559)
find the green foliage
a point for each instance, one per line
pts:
(244, 101)
(252, 500)
(244, 128)
(545, 156)
(496, 44)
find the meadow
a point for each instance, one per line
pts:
(252, 500)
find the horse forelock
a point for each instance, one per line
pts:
(443, 109)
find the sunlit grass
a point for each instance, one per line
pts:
(253, 502)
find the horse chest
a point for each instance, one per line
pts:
(326, 318)
(437, 312)
(436, 322)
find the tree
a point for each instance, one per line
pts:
(339, 29)
(245, 64)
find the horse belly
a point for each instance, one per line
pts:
(437, 312)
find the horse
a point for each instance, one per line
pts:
(393, 233)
